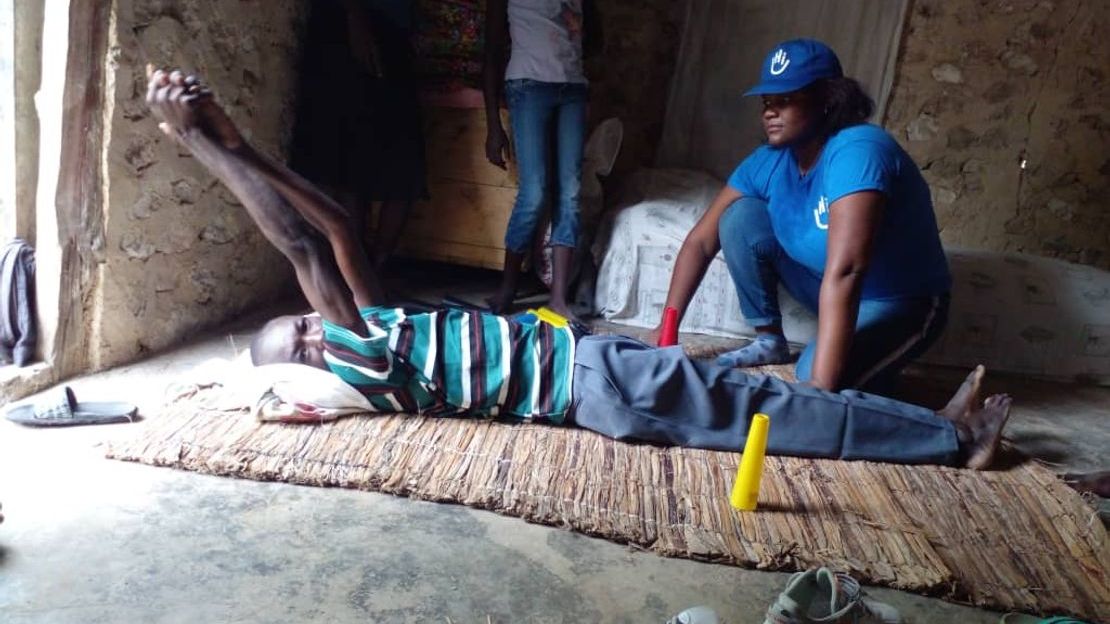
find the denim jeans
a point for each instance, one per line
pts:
(627, 390)
(533, 106)
(889, 332)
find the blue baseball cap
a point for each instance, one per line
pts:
(795, 64)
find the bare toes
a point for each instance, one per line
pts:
(998, 401)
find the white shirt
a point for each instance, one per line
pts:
(547, 40)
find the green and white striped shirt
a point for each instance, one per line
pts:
(456, 362)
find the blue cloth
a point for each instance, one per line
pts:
(907, 261)
(889, 332)
(628, 390)
(533, 105)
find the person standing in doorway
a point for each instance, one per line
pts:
(544, 84)
(360, 132)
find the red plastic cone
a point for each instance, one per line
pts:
(669, 335)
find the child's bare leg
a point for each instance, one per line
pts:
(563, 260)
(502, 301)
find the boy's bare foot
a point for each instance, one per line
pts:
(966, 397)
(184, 103)
(983, 430)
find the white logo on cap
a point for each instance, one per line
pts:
(779, 60)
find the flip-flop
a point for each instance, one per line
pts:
(60, 409)
(1019, 618)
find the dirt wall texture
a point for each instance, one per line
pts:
(631, 77)
(1005, 104)
(180, 253)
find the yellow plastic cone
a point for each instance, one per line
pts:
(745, 490)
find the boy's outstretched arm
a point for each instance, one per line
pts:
(190, 115)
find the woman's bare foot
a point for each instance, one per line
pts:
(983, 429)
(966, 397)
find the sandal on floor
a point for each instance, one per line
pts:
(60, 409)
(1018, 618)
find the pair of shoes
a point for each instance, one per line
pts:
(695, 615)
(820, 595)
(60, 409)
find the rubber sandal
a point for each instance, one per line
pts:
(60, 409)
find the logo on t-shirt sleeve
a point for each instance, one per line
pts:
(821, 213)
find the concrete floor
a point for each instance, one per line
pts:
(91, 540)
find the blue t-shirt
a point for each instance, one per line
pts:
(907, 261)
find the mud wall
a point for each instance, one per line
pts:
(1006, 106)
(179, 253)
(632, 75)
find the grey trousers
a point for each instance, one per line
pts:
(627, 390)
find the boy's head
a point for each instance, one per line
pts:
(293, 338)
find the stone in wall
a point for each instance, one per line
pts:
(1005, 104)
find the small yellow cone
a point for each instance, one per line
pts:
(745, 490)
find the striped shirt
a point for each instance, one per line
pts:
(455, 362)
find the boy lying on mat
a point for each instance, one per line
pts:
(455, 362)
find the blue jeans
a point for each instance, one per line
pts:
(533, 106)
(631, 391)
(889, 332)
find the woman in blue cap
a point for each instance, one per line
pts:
(832, 208)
